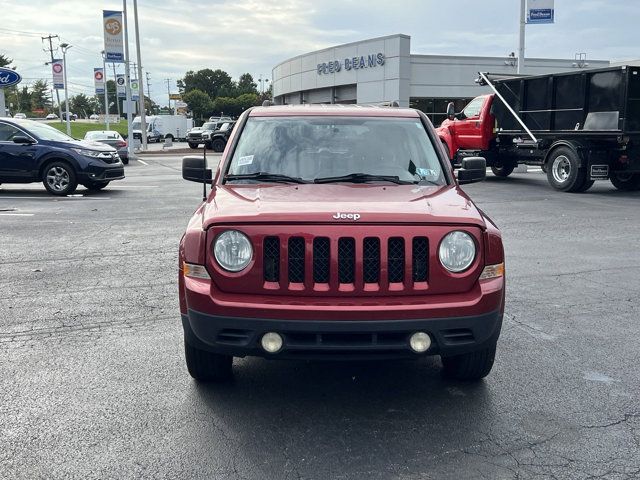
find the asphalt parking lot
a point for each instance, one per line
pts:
(93, 382)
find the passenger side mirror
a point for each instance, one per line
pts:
(451, 111)
(22, 139)
(474, 169)
(193, 169)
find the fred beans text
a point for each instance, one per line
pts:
(353, 63)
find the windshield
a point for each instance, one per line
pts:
(209, 126)
(102, 136)
(44, 132)
(312, 148)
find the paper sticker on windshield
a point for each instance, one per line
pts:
(242, 161)
(426, 172)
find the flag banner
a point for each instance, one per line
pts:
(57, 67)
(540, 11)
(135, 90)
(121, 86)
(113, 29)
(98, 80)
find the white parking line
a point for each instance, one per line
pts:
(16, 214)
(142, 162)
(115, 187)
(56, 199)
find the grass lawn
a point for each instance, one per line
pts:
(78, 128)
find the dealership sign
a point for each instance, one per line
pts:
(98, 80)
(121, 86)
(540, 11)
(57, 68)
(113, 43)
(8, 77)
(352, 63)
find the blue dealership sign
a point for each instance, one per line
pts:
(8, 77)
(540, 11)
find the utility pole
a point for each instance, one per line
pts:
(128, 83)
(115, 82)
(168, 80)
(50, 50)
(65, 47)
(521, 45)
(148, 89)
(143, 123)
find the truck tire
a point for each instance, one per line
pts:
(629, 182)
(207, 366)
(469, 366)
(193, 145)
(502, 170)
(59, 178)
(564, 172)
(218, 145)
(168, 135)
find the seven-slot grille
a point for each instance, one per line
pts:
(396, 267)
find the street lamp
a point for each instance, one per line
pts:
(106, 94)
(65, 47)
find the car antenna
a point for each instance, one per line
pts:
(204, 173)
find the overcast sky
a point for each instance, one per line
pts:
(252, 36)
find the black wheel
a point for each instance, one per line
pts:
(207, 366)
(218, 145)
(564, 172)
(193, 145)
(208, 146)
(95, 186)
(503, 170)
(125, 160)
(59, 178)
(627, 182)
(469, 366)
(169, 136)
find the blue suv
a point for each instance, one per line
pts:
(35, 152)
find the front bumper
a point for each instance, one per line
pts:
(102, 174)
(340, 339)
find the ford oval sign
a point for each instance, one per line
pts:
(8, 77)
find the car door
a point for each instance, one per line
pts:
(468, 129)
(17, 160)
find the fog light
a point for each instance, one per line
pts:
(420, 342)
(271, 342)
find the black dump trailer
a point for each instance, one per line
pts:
(579, 126)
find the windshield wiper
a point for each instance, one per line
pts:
(266, 176)
(363, 178)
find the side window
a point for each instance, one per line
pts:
(7, 132)
(474, 107)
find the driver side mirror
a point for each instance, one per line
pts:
(193, 169)
(474, 169)
(451, 111)
(23, 140)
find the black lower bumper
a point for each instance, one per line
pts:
(338, 339)
(102, 175)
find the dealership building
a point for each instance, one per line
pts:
(383, 69)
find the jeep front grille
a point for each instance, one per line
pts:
(349, 261)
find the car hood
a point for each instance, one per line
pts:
(237, 204)
(86, 144)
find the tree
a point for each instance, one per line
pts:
(206, 80)
(5, 61)
(40, 92)
(199, 103)
(246, 84)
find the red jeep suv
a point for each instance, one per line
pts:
(339, 232)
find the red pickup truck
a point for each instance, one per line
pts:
(578, 126)
(336, 232)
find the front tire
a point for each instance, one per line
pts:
(564, 172)
(629, 182)
(218, 145)
(193, 145)
(207, 366)
(502, 170)
(59, 178)
(469, 366)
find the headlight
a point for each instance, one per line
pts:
(457, 251)
(88, 153)
(232, 250)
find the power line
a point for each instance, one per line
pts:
(50, 39)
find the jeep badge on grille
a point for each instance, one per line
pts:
(347, 216)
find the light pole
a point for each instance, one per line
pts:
(521, 37)
(65, 47)
(127, 74)
(143, 123)
(106, 93)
